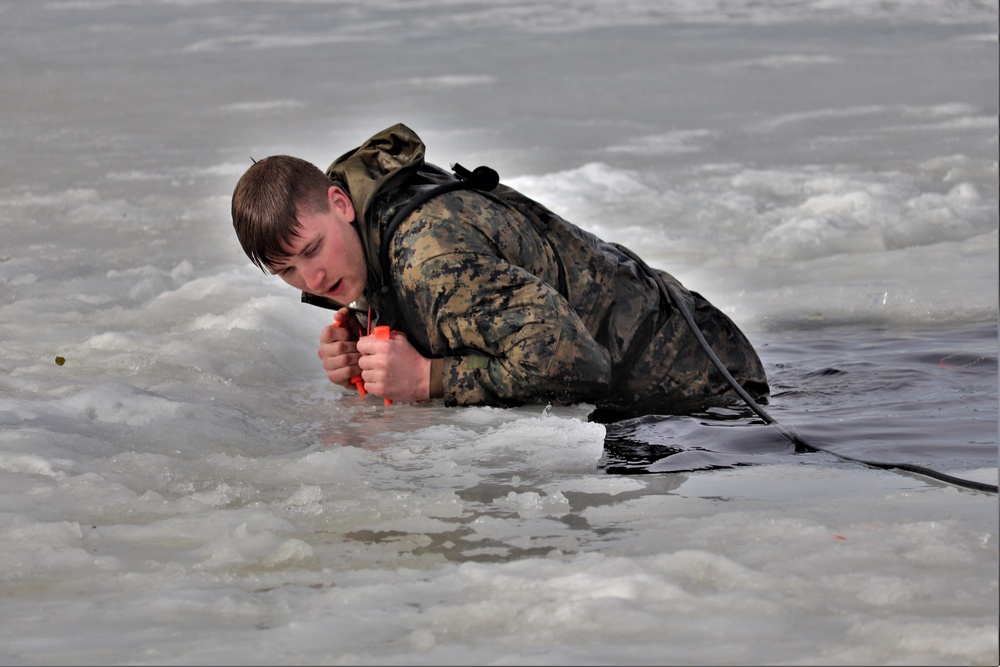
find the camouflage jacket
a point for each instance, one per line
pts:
(515, 305)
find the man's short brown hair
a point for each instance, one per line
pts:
(267, 201)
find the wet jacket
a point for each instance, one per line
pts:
(515, 305)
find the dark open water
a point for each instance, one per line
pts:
(923, 396)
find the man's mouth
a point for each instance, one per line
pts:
(335, 288)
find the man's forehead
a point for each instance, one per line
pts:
(296, 244)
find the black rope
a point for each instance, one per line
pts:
(771, 421)
(909, 467)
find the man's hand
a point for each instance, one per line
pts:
(394, 369)
(338, 349)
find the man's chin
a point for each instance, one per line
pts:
(345, 295)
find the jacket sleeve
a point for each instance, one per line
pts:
(503, 335)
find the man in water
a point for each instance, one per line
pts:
(492, 299)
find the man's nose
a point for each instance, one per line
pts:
(314, 277)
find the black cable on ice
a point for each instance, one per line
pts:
(909, 467)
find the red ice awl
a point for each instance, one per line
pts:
(383, 333)
(356, 380)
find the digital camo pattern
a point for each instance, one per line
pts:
(522, 306)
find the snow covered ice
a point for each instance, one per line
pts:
(188, 489)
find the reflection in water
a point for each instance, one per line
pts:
(717, 438)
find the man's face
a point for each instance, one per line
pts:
(326, 258)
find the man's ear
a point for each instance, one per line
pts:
(341, 201)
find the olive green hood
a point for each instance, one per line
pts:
(383, 162)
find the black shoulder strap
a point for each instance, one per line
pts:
(480, 178)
